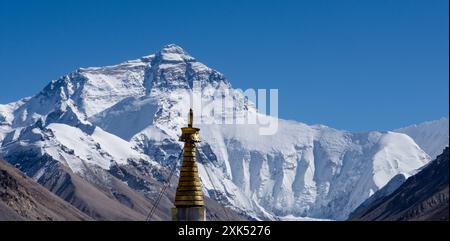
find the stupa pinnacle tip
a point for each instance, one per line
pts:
(191, 118)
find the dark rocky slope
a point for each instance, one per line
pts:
(123, 193)
(423, 196)
(21, 198)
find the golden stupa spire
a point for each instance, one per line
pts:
(189, 204)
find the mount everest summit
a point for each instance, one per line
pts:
(116, 129)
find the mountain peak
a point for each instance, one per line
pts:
(173, 48)
(174, 53)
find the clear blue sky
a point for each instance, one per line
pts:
(355, 65)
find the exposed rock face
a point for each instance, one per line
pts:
(21, 198)
(424, 196)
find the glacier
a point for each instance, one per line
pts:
(102, 117)
(431, 136)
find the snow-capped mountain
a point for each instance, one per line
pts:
(98, 120)
(431, 136)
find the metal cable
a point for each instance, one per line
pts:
(215, 190)
(163, 189)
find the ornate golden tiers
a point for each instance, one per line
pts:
(189, 190)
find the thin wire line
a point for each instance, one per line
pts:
(163, 189)
(215, 190)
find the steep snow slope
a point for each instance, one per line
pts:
(86, 91)
(423, 196)
(302, 171)
(72, 146)
(431, 136)
(7, 116)
(111, 147)
(128, 114)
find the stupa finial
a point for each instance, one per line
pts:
(190, 118)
